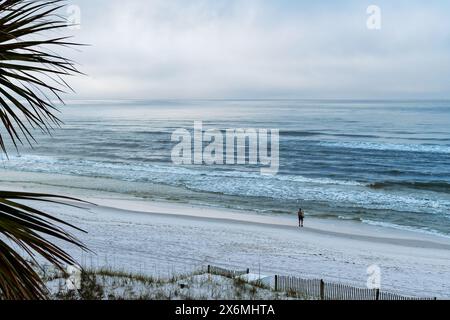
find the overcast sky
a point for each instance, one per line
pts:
(151, 49)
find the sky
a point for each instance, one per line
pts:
(218, 49)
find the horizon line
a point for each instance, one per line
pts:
(268, 99)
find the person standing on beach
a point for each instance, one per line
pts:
(301, 217)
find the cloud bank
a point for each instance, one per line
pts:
(152, 49)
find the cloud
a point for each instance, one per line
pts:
(262, 49)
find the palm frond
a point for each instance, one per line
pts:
(31, 74)
(31, 78)
(27, 229)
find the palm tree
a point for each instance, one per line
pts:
(31, 77)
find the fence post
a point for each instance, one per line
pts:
(322, 290)
(377, 294)
(276, 283)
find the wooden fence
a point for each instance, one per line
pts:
(319, 289)
(226, 272)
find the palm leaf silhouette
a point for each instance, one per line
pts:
(31, 78)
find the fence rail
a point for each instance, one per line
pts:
(226, 272)
(310, 288)
(319, 289)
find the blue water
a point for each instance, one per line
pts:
(384, 162)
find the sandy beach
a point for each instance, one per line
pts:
(161, 238)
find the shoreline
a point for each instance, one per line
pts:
(158, 238)
(55, 184)
(343, 229)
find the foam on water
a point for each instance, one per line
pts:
(406, 228)
(388, 146)
(238, 183)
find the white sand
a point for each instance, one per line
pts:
(160, 238)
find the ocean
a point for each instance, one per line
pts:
(384, 163)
